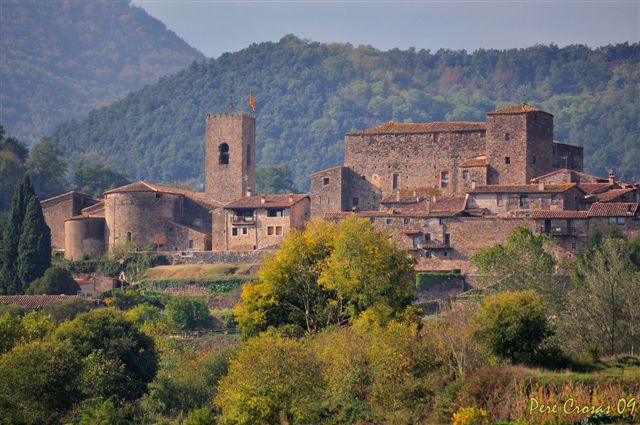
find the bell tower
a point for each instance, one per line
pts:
(230, 153)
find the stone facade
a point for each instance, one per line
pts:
(60, 208)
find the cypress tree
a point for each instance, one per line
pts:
(11, 231)
(34, 248)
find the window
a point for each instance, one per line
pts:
(244, 213)
(507, 160)
(275, 213)
(190, 243)
(128, 236)
(554, 199)
(427, 237)
(406, 220)
(574, 246)
(465, 174)
(396, 181)
(622, 220)
(278, 230)
(524, 201)
(429, 254)
(444, 253)
(355, 202)
(444, 179)
(612, 220)
(158, 195)
(325, 181)
(234, 231)
(245, 230)
(499, 200)
(248, 155)
(507, 136)
(447, 239)
(269, 230)
(443, 220)
(224, 154)
(389, 221)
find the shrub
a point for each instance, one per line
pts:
(56, 281)
(188, 313)
(471, 416)
(62, 311)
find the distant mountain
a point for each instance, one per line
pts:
(309, 94)
(61, 59)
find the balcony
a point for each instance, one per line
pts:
(558, 230)
(238, 219)
(432, 245)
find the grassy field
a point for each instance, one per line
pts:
(205, 272)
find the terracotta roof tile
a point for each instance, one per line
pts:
(33, 301)
(449, 206)
(591, 188)
(67, 194)
(537, 214)
(579, 174)
(142, 186)
(613, 194)
(613, 209)
(478, 161)
(393, 127)
(270, 201)
(520, 108)
(525, 188)
(409, 196)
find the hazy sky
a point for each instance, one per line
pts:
(215, 27)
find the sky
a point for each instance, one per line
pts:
(216, 27)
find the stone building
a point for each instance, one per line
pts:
(60, 208)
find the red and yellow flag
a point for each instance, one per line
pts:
(252, 103)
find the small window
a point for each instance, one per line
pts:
(554, 199)
(574, 246)
(447, 239)
(524, 201)
(444, 179)
(396, 181)
(275, 213)
(234, 231)
(507, 136)
(278, 230)
(465, 174)
(158, 195)
(389, 221)
(245, 230)
(612, 220)
(269, 230)
(622, 220)
(507, 160)
(444, 253)
(325, 181)
(190, 243)
(427, 237)
(224, 154)
(406, 220)
(429, 254)
(355, 202)
(443, 220)
(248, 155)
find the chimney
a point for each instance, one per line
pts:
(398, 195)
(248, 191)
(263, 199)
(434, 199)
(427, 205)
(612, 177)
(291, 198)
(541, 186)
(473, 184)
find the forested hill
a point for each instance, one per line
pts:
(309, 94)
(61, 59)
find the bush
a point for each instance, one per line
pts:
(62, 311)
(188, 313)
(514, 324)
(130, 298)
(56, 281)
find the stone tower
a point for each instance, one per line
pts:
(519, 144)
(230, 145)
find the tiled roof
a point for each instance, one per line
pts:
(525, 188)
(613, 194)
(591, 188)
(537, 214)
(411, 232)
(613, 209)
(270, 201)
(581, 176)
(520, 108)
(93, 209)
(142, 186)
(393, 127)
(409, 196)
(449, 206)
(65, 195)
(33, 301)
(478, 161)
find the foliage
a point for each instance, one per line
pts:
(604, 304)
(56, 281)
(59, 63)
(525, 261)
(471, 416)
(112, 340)
(34, 247)
(11, 231)
(16, 330)
(202, 416)
(48, 169)
(143, 313)
(514, 324)
(127, 299)
(99, 411)
(95, 179)
(274, 179)
(62, 311)
(310, 94)
(328, 274)
(13, 154)
(188, 313)
(38, 383)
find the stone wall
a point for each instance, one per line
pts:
(568, 156)
(58, 209)
(225, 182)
(84, 235)
(330, 191)
(214, 257)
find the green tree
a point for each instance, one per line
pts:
(188, 313)
(38, 383)
(11, 232)
(274, 179)
(56, 281)
(13, 154)
(34, 247)
(62, 311)
(99, 411)
(111, 338)
(48, 169)
(94, 179)
(514, 324)
(272, 380)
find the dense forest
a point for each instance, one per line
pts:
(309, 94)
(62, 59)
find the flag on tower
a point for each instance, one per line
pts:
(252, 103)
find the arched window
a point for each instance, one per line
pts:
(128, 236)
(224, 154)
(248, 155)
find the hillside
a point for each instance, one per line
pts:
(309, 94)
(62, 59)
